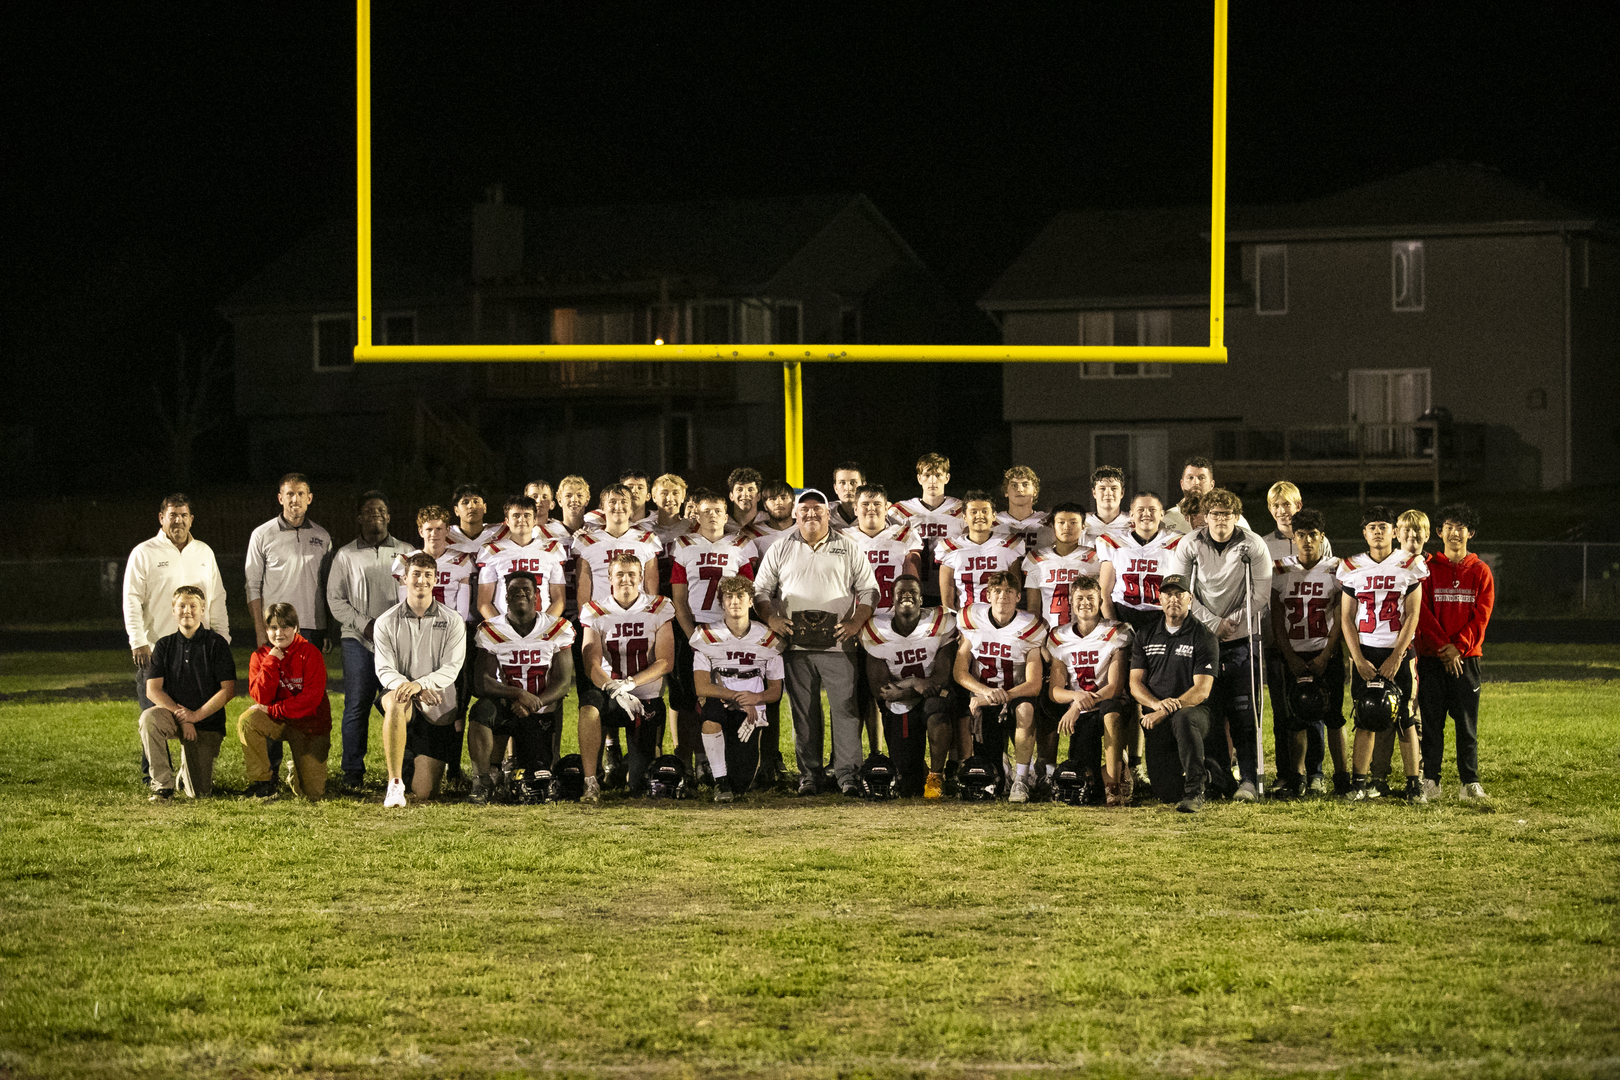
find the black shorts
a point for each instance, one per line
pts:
(496, 714)
(614, 717)
(993, 731)
(1332, 676)
(1403, 679)
(678, 684)
(441, 742)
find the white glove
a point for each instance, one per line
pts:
(755, 721)
(631, 704)
(615, 687)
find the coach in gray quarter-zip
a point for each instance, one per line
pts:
(360, 587)
(285, 559)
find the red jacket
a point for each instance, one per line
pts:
(292, 689)
(1457, 602)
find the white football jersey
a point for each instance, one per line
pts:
(943, 522)
(763, 535)
(525, 660)
(972, 563)
(1052, 573)
(491, 532)
(1282, 547)
(887, 553)
(1310, 601)
(738, 663)
(908, 656)
(1087, 658)
(1035, 531)
(596, 519)
(1096, 527)
(597, 548)
(701, 563)
(628, 636)
(541, 557)
(1138, 568)
(1379, 589)
(760, 518)
(667, 535)
(457, 581)
(999, 652)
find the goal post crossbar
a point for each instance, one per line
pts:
(791, 356)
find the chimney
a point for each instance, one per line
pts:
(497, 248)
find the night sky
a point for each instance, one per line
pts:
(154, 161)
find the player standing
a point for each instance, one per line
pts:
(1131, 567)
(594, 548)
(1000, 666)
(847, 479)
(1090, 680)
(469, 529)
(1107, 492)
(1411, 533)
(1197, 478)
(629, 648)
(1305, 644)
(910, 655)
(1022, 487)
(934, 516)
(744, 487)
(968, 560)
(522, 550)
(1381, 600)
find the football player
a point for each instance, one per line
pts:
(701, 560)
(743, 485)
(669, 496)
(1411, 533)
(892, 550)
(1382, 597)
(544, 503)
(1107, 492)
(1090, 682)
(1021, 487)
(968, 560)
(1131, 567)
(1050, 571)
(469, 529)
(629, 648)
(934, 516)
(525, 669)
(1284, 501)
(847, 479)
(523, 548)
(1305, 636)
(777, 517)
(737, 670)
(999, 666)
(910, 655)
(594, 548)
(641, 516)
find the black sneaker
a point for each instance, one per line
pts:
(263, 790)
(481, 791)
(162, 795)
(1381, 787)
(1341, 783)
(807, 787)
(722, 789)
(1190, 805)
(1414, 793)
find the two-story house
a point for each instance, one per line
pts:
(1448, 292)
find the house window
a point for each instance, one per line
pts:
(334, 342)
(1125, 328)
(849, 325)
(789, 322)
(1271, 279)
(578, 326)
(756, 322)
(1388, 395)
(665, 321)
(399, 328)
(1406, 275)
(1143, 455)
(711, 322)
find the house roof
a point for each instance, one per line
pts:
(1143, 258)
(733, 245)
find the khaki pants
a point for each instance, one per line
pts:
(308, 774)
(158, 726)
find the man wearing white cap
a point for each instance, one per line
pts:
(816, 589)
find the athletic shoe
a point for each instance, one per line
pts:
(722, 789)
(1431, 789)
(616, 772)
(1414, 791)
(396, 794)
(1111, 794)
(1316, 786)
(1128, 783)
(1019, 792)
(264, 791)
(1476, 790)
(807, 787)
(934, 786)
(593, 791)
(482, 789)
(165, 796)
(1190, 805)
(850, 791)
(1246, 793)
(1380, 786)
(1341, 783)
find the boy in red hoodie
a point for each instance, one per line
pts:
(287, 680)
(1457, 599)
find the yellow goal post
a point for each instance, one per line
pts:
(792, 356)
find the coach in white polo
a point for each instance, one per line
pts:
(155, 569)
(807, 572)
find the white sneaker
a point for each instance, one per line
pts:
(1475, 790)
(396, 793)
(1019, 792)
(1431, 790)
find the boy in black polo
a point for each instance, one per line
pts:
(191, 677)
(1173, 666)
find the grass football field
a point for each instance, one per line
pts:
(808, 938)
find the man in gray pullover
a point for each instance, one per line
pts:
(1230, 571)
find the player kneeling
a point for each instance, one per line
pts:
(1000, 667)
(1090, 675)
(420, 646)
(287, 679)
(910, 651)
(737, 671)
(629, 648)
(525, 669)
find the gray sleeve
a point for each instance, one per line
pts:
(455, 654)
(862, 582)
(338, 599)
(382, 644)
(255, 565)
(1260, 586)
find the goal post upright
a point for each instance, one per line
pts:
(791, 357)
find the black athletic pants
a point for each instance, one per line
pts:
(1178, 762)
(1441, 694)
(1315, 742)
(1232, 705)
(906, 737)
(742, 756)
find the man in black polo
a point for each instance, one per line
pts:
(188, 681)
(1173, 665)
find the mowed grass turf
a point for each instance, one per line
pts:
(810, 938)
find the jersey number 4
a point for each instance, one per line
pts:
(1374, 611)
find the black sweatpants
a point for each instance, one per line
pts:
(1232, 705)
(1177, 761)
(1441, 694)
